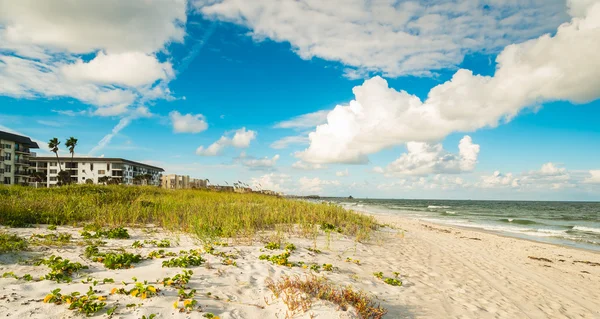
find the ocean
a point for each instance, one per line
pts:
(575, 224)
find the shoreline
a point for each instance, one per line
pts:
(475, 228)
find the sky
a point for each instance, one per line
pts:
(444, 99)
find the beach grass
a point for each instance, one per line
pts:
(207, 214)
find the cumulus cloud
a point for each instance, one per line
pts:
(549, 176)
(43, 45)
(314, 185)
(594, 177)
(342, 173)
(188, 123)
(241, 139)
(272, 181)
(285, 142)
(264, 163)
(435, 182)
(392, 37)
(424, 159)
(307, 166)
(309, 120)
(565, 66)
(128, 68)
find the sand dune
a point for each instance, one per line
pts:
(446, 273)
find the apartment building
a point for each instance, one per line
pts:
(97, 170)
(15, 154)
(173, 181)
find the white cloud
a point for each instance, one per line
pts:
(527, 74)
(241, 139)
(425, 159)
(260, 163)
(133, 69)
(272, 181)
(307, 166)
(188, 123)
(309, 120)
(285, 142)
(342, 173)
(498, 179)
(86, 26)
(392, 37)
(314, 185)
(549, 176)
(43, 45)
(594, 177)
(435, 182)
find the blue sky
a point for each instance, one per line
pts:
(433, 99)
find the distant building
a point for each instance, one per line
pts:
(243, 190)
(15, 154)
(173, 181)
(97, 170)
(220, 188)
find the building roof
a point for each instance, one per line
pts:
(24, 140)
(93, 160)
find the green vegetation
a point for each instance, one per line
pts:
(11, 243)
(88, 304)
(113, 233)
(389, 281)
(281, 260)
(294, 289)
(272, 246)
(140, 290)
(184, 261)
(61, 269)
(112, 260)
(179, 280)
(161, 253)
(204, 213)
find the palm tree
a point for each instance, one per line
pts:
(38, 177)
(71, 143)
(53, 146)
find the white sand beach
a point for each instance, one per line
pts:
(446, 273)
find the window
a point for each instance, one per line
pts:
(52, 171)
(101, 172)
(7, 180)
(7, 156)
(92, 166)
(7, 168)
(53, 164)
(108, 166)
(8, 146)
(53, 179)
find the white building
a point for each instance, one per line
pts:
(15, 157)
(96, 169)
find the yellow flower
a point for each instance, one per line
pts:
(176, 304)
(170, 282)
(186, 302)
(101, 298)
(134, 292)
(304, 266)
(113, 291)
(151, 288)
(47, 298)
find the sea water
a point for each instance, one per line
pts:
(574, 224)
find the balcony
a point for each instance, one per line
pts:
(23, 150)
(22, 173)
(21, 161)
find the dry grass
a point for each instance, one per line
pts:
(204, 213)
(298, 294)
